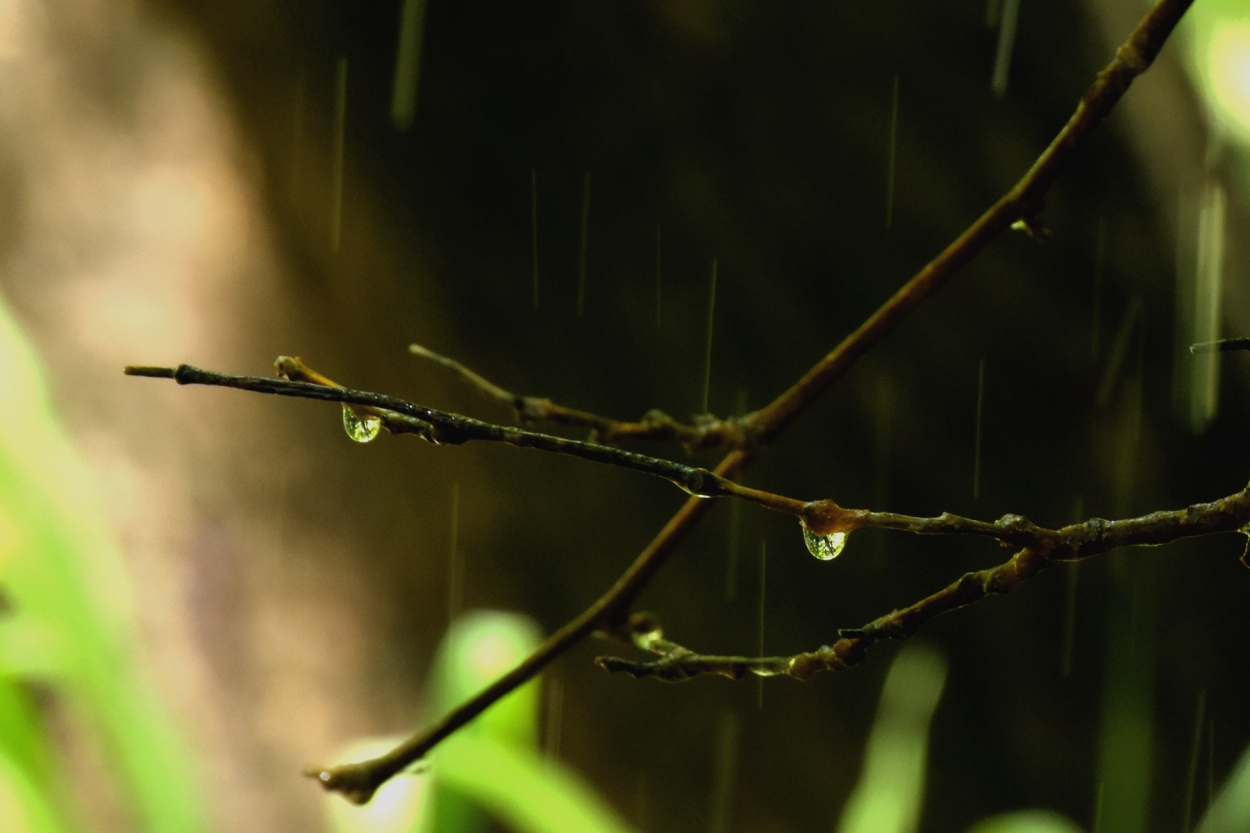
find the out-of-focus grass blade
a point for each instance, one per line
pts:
(1230, 811)
(888, 797)
(522, 789)
(25, 807)
(492, 768)
(64, 621)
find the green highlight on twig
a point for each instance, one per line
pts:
(1224, 345)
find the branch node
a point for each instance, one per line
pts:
(1129, 55)
(355, 782)
(824, 517)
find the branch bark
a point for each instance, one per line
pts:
(1022, 207)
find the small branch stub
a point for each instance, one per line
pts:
(826, 526)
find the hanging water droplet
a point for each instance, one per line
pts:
(361, 427)
(825, 547)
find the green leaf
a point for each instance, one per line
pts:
(1026, 821)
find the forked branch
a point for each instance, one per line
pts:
(1021, 206)
(1070, 543)
(707, 432)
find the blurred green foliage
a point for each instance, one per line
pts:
(491, 768)
(65, 636)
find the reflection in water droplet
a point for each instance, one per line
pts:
(361, 427)
(825, 547)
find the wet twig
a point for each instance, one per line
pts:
(445, 428)
(707, 432)
(358, 781)
(1224, 345)
(1070, 543)
(1021, 205)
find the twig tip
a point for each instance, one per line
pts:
(351, 781)
(151, 372)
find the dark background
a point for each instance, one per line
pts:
(756, 135)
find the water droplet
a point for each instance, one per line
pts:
(361, 427)
(825, 547)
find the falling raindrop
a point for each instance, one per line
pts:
(336, 161)
(581, 257)
(1006, 41)
(554, 720)
(1100, 261)
(1195, 750)
(893, 146)
(407, 63)
(725, 772)
(534, 229)
(360, 426)
(759, 682)
(1070, 601)
(826, 547)
(1208, 294)
(658, 274)
(1069, 624)
(455, 562)
(707, 356)
(731, 559)
(976, 451)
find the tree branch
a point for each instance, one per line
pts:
(1022, 206)
(445, 428)
(707, 432)
(1046, 546)
(822, 517)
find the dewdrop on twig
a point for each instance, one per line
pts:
(825, 547)
(360, 426)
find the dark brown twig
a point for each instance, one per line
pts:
(445, 428)
(707, 432)
(358, 781)
(1046, 546)
(440, 427)
(1224, 345)
(1022, 204)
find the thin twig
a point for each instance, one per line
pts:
(1022, 204)
(446, 428)
(1224, 345)
(1070, 543)
(707, 432)
(358, 781)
